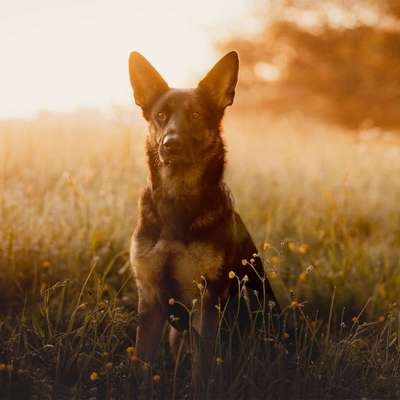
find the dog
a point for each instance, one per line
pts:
(188, 240)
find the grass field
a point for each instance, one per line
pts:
(321, 204)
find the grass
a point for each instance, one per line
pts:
(321, 204)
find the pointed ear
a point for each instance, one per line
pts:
(146, 82)
(219, 84)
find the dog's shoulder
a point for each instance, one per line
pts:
(240, 234)
(242, 244)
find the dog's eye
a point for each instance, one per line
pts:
(161, 116)
(195, 115)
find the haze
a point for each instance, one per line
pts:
(62, 55)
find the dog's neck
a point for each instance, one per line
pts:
(189, 193)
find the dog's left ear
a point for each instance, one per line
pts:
(146, 82)
(219, 84)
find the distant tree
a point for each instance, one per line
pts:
(339, 60)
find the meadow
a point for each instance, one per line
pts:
(321, 203)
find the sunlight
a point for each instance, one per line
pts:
(62, 56)
(182, 248)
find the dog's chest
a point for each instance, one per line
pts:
(175, 263)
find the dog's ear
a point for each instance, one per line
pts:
(219, 84)
(146, 82)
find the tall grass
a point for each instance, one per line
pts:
(321, 204)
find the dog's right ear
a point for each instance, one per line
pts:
(146, 82)
(219, 84)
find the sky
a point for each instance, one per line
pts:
(62, 55)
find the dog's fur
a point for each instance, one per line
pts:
(187, 229)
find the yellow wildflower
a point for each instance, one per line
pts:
(94, 376)
(231, 275)
(244, 262)
(109, 366)
(275, 260)
(171, 301)
(156, 378)
(303, 248)
(273, 275)
(302, 276)
(291, 246)
(131, 350)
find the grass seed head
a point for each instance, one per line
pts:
(294, 304)
(266, 246)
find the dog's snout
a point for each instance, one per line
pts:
(171, 142)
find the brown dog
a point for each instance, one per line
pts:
(187, 230)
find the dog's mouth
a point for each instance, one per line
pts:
(172, 159)
(175, 162)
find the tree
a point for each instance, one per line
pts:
(339, 60)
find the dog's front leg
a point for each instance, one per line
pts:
(150, 329)
(148, 338)
(205, 326)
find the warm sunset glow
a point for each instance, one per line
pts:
(61, 55)
(237, 241)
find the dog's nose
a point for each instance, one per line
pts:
(171, 143)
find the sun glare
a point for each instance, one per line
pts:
(60, 56)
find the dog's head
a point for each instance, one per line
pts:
(184, 125)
